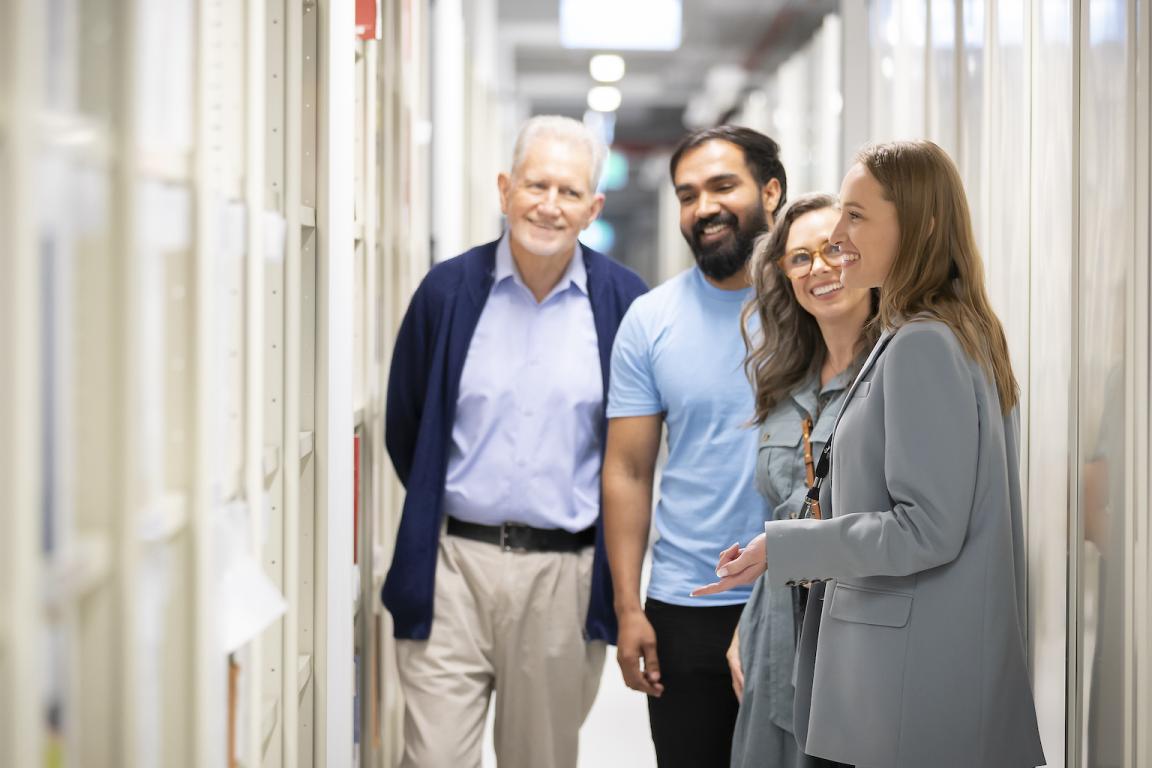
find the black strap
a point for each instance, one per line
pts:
(825, 464)
(812, 498)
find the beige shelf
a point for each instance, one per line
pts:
(74, 133)
(271, 462)
(303, 672)
(76, 572)
(165, 521)
(270, 718)
(307, 444)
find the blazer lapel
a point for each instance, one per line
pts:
(873, 356)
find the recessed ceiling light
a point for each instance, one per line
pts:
(647, 25)
(604, 98)
(606, 67)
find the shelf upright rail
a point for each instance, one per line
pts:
(293, 184)
(334, 369)
(209, 667)
(369, 645)
(254, 180)
(1141, 355)
(126, 496)
(276, 458)
(20, 724)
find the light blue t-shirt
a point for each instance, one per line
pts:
(679, 352)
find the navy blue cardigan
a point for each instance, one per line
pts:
(423, 385)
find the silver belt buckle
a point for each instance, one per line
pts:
(504, 545)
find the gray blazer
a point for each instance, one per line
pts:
(920, 655)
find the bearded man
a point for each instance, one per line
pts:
(677, 360)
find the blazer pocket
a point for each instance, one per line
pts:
(861, 389)
(869, 606)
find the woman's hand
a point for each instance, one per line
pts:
(734, 666)
(737, 567)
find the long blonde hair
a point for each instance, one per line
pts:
(938, 271)
(788, 344)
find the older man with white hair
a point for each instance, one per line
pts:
(495, 424)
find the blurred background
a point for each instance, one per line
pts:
(215, 211)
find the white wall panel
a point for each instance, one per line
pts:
(898, 30)
(1038, 102)
(943, 101)
(971, 145)
(1106, 263)
(1003, 186)
(1051, 397)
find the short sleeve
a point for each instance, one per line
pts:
(632, 389)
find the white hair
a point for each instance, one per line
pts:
(566, 129)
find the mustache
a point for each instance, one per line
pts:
(725, 218)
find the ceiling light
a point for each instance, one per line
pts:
(648, 25)
(606, 67)
(604, 98)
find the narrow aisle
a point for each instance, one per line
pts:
(616, 731)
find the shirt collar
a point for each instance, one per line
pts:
(576, 274)
(839, 381)
(807, 395)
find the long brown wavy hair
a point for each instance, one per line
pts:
(788, 345)
(938, 272)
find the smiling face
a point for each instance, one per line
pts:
(722, 207)
(548, 199)
(868, 231)
(820, 292)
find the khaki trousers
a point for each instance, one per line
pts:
(508, 622)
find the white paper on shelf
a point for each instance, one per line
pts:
(249, 600)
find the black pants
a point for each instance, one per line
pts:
(692, 722)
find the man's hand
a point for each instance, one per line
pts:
(737, 568)
(735, 667)
(636, 653)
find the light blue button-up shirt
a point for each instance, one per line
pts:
(526, 442)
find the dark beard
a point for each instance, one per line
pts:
(724, 258)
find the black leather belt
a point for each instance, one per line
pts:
(512, 537)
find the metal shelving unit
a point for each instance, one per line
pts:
(172, 324)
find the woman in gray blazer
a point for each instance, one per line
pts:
(917, 655)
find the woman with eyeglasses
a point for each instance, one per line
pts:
(815, 336)
(916, 656)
